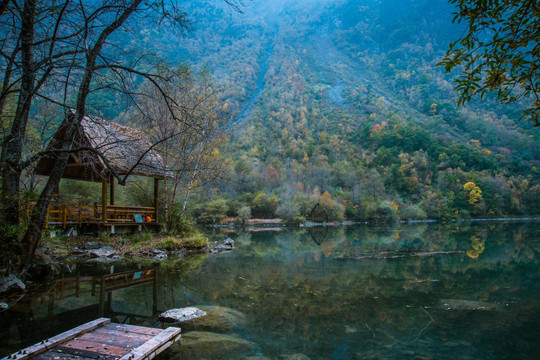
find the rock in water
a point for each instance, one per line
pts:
(218, 319)
(223, 247)
(11, 283)
(295, 357)
(228, 241)
(207, 345)
(181, 315)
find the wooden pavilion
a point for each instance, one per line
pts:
(117, 151)
(318, 213)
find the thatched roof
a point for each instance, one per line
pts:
(121, 148)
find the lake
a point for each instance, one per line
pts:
(460, 290)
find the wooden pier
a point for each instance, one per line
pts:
(101, 339)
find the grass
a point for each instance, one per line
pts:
(134, 245)
(195, 241)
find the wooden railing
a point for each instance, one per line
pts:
(64, 214)
(118, 213)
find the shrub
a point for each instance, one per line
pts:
(411, 212)
(180, 225)
(288, 211)
(382, 212)
(336, 211)
(244, 214)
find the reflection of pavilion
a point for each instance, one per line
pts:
(106, 284)
(70, 301)
(319, 234)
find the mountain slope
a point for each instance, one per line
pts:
(342, 103)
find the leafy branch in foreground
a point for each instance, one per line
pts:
(499, 52)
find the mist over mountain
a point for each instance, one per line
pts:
(342, 102)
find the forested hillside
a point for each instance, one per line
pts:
(342, 103)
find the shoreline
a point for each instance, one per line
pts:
(278, 224)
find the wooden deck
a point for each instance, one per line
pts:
(63, 215)
(101, 339)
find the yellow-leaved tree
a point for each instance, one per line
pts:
(474, 198)
(474, 193)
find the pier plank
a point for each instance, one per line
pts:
(55, 355)
(100, 339)
(134, 329)
(123, 339)
(98, 347)
(47, 344)
(154, 346)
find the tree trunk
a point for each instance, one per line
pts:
(12, 148)
(37, 221)
(192, 180)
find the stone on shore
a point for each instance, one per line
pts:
(104, 251)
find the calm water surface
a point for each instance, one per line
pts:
(444, 291)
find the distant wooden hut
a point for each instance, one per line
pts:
(319, 213)
(117, 152)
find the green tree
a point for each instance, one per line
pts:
(244, 214)
(263, 206)
(211, 213)
(499, 51)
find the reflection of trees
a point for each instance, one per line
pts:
(476, 247)
(289, 301)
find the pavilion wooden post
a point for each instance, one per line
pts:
(111, 179)
(156, 197)
(104, 199)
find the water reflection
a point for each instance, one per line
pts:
(458, 290)
(318, 234)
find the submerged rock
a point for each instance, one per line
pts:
(181, 315)
(218, 319)
(470, 305)
(208, 345)
(295, 357)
